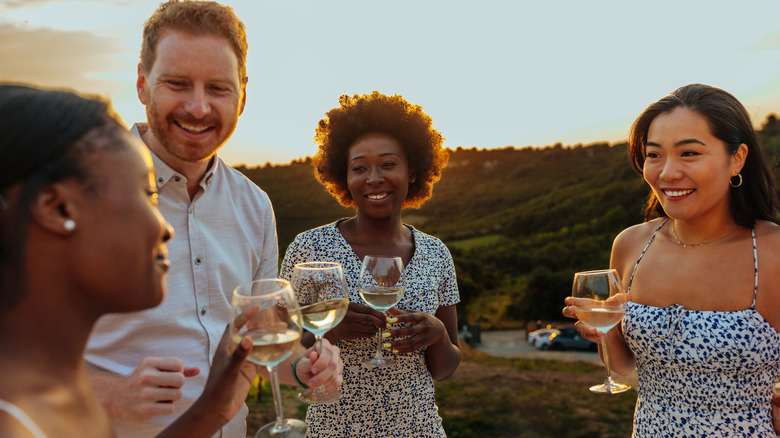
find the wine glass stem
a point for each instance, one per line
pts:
(608, 379)
(279, 426)
(318, 345)
(379, 342)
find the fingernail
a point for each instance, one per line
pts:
(389, 327)
(385, 334)
(395, 351)
(393, 319)
(246, 343)
(386, 345)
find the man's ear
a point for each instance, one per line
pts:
(243, 96)
(55, 209)
(140, 84)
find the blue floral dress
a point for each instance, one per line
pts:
(702, 373)
(396, 401)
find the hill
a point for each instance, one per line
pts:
(519, 222)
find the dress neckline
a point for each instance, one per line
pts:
(755, 274)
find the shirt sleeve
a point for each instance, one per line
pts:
(449, 283)
(291, 257)
(269, 264)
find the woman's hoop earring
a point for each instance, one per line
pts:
(731, 183)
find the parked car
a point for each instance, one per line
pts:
(568, 338)
(537, 338)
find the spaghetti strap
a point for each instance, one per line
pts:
(755, 262)
(22, 418)
(755, 268)
(631, 280)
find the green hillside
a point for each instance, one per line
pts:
(519, 222)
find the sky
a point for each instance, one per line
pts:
(489, 73)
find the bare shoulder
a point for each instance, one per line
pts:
(768, 246)
(768, 231)
(628, 245)
(634, 236)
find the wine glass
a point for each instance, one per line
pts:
(322, 293)
(381, 285)
(600, 303)
(267, 312)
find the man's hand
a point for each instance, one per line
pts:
(324, 369)
(148, 392)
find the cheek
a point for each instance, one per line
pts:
(650, 173)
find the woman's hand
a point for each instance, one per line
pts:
(359, 322)
(585, 330)
(776, 411)
(423, 330)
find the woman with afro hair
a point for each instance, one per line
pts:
(380, 154)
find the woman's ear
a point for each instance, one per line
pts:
(412, 177)
(738, 159)
(55, 209)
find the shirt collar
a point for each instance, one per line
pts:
(164, 173)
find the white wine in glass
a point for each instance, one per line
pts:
(600, 303)
(267, 312)
(381, 285)
(322, 291)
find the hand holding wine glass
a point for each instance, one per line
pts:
(267, 312)
(381, 285)
(599, 302)
(322, 291)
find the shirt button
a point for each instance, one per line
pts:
(160, 180)
(176, 178)
(197, 260)
(203, 311)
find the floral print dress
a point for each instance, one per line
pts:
(395, 401)
(702, 373)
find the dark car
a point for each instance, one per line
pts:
(569, 339)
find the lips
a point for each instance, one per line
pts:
(162, 259)
(676, 193)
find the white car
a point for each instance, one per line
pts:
(537, 338)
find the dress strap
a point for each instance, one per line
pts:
(631, 280)
(22, 418)
(755, 268)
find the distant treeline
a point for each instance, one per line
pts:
(519, 222)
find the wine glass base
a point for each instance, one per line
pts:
(612, 388)
(292, 429)
(379, 363)
(319, 395)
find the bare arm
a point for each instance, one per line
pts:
(621, 358)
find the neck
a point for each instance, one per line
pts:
(702, 231)
(384, 230)
(52, 340)
(193, 172)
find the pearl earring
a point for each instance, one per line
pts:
(69, 225)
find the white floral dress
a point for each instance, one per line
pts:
(395, 401)
(702, 373)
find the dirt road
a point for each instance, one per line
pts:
(512, 343)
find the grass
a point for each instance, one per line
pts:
(525, 398)
(502, 398)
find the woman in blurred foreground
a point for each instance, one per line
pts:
(81, 236)
(702, 273)
(380, 154)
